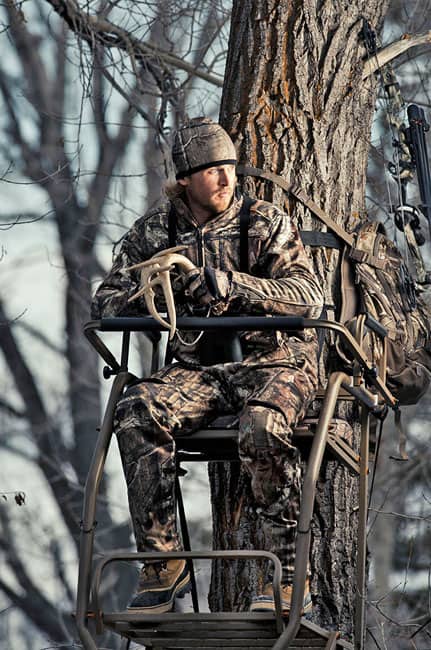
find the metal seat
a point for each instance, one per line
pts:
(229, 629)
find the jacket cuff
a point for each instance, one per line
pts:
(218, 283)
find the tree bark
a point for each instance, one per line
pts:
(295, 104)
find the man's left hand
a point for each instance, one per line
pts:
(206, 285)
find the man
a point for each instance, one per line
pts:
(270, 389)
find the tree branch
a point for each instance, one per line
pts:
(92, 28)
(29, 156)
(43, 430)
(8, 221)
(10, 409)
(26, 44)
(111, 151)
(387, 54)
(151, 121)
(38, 335)
(31, 601)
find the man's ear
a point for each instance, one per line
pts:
(184, 181)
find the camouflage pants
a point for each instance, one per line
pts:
(270, 396)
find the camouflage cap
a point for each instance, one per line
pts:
(199, 144)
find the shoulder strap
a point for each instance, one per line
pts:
(244, 224)
(301, 195)
(172, 226)
(317, 238)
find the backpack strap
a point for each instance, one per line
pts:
(317, 238)
(339, 231)
(172, 226)
(301, 195)
(244, 225)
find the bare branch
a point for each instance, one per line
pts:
(26, 44)
(393, 50)
(92, 28)
(10, 409)
(111, 152)
(10, 220)
(131, 100)
(31, 600)
(43, 430)
(29, 156)
(39, 336)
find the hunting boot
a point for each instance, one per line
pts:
(159, 584)
(265, 601)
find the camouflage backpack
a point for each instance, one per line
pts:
(375, 281)
(383, 288)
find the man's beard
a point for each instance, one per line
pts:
(218, 206)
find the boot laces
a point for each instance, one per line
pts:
(152, 570)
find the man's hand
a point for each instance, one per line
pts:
(155, 272)
(206, 285)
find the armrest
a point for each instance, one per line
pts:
(233, 323)
(193, 323)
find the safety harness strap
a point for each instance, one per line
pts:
(172, 227)
(244, 224)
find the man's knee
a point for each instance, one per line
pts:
(267, 454)
(262, 430)
(141, 414)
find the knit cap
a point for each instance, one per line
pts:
(199, 144)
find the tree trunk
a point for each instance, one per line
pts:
(295, 104)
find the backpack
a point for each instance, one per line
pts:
(375, 282)
(386, 292)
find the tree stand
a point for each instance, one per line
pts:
(230, 629)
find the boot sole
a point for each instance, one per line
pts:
(184, 587)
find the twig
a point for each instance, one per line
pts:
(94, 28)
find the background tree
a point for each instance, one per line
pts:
(299, 116)
(37, 141)
(66, 126)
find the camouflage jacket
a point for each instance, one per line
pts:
(280, 281)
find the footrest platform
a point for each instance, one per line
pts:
(215, 630)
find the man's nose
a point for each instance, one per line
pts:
(223, 178)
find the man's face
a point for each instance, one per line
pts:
(211, 189)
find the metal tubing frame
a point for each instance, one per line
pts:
(192, 555)
(335, 382)
(243, 324)
(89, 523)
(186, 541)
(361, 560)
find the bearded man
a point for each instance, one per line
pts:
(270, 389)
